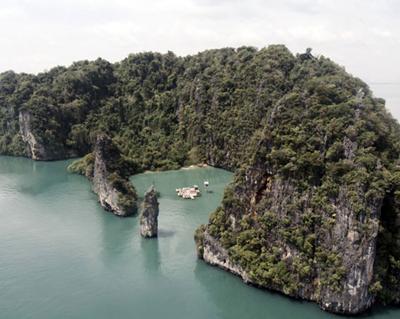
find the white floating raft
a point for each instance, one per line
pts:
(188, 192)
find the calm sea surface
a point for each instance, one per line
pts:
(62, 256)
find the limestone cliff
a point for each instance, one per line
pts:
(149, 214)
(267, 244)
(116, 193)
(306, 219)
(34, 149)
(36, 146)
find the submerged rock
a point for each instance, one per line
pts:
(149, 214)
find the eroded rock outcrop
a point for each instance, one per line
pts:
(211, 251)
(149, 214)
(116, 193)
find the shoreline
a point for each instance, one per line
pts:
(193, 166)
(200, 165)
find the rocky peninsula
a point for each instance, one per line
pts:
(103, 168)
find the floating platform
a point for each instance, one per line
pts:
(188, 192)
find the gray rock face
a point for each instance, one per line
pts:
(35, 150)
(110, 197)
(149, 214)
(214, 254)
(350, 240)
(358, 249)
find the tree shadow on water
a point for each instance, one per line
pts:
(151, 255)
(380, 311)
(234, 299)
(165, 233)
(116, 234)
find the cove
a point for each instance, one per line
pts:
(62, 256)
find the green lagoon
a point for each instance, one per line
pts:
(62, 256)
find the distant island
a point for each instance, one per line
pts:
(314, 208)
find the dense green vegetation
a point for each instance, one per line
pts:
(163, 111)
(298, 124)
(326, 143)
(83, 166)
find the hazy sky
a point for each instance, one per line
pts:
(362, 35)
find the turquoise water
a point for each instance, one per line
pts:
(62, 256)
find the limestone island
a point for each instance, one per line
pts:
(313, 210)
